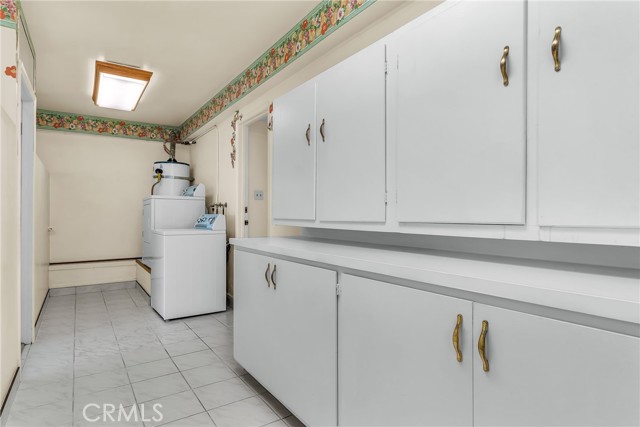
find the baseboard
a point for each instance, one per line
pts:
(8, 399)
(230, 301)
(91, 273)
(143, 277)
(143, 289)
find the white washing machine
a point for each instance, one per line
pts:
(189, 270)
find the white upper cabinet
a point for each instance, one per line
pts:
(587, 112)
(350, 120)
(460, 127)
(294, 154)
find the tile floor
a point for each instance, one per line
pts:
(105, 345)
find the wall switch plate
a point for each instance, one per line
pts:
(258, 195)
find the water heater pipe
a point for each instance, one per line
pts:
(159, 177)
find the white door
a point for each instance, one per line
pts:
(304, 337)
(397, 362)
(588, 127)
(294, 154)
(253, 316)
(548, 372)
(460, 130)
(350, 135)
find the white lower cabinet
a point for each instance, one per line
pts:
(547, 372)
(397, 362)
(384, 354)
(285, 333)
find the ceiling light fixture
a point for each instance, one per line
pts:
(119, 86)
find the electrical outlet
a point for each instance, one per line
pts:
(258, 195)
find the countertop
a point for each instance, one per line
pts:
(612, 293)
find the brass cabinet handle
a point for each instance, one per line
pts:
(308, 134)
(273, 277)
(322, 130)
(456, 338)
(555, 47)
(503, 66)
(481, 345)
(266, 275)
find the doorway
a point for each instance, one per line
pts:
(27, 201)
(256, 179)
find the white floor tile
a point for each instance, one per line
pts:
(175, 407)
(37, 396)
(223, 337)
(117, 396)
(102, 381)
(208, 374)
(156, 388)
(223, 393)
(252, 412)
(177, 336)
(198, 420)
(185, 347)
(149, 353)
(150, 370)
(94, 364)
(195, 360)
(53, 415)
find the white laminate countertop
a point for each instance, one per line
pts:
(599, 291)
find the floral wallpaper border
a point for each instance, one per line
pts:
(80, 123)
(8, 14)
(323, 20)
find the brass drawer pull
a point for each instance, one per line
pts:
(456, 338)
(555, 48)
(481, 345)
(273, 277)
(266, 275)
(503, 66)
(308, 134)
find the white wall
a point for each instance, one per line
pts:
(9, 216)
(258, 179)
(41, 237)
(97, 187)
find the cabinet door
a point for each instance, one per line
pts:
(351, 154)
(588, 127)
(397, 364)
(548, 372)
(294, 155)
(460, 131)
(304, 334)
(254, 315)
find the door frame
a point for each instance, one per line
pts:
(27, 138)
(243, 185)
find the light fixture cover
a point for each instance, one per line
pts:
(118, 86)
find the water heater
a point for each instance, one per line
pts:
(174, 177)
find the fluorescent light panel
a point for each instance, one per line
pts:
(118, 86)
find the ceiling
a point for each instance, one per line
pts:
(194, 48)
